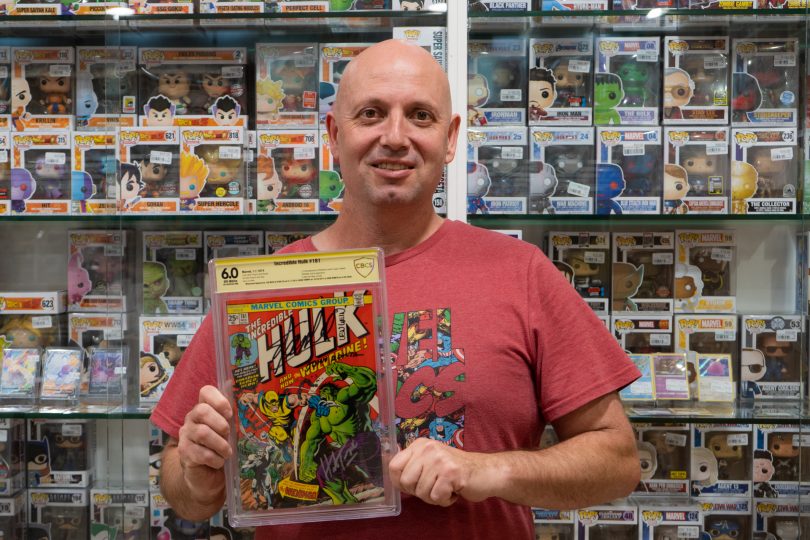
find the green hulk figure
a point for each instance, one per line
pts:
(607, 95)
(634, 76)
(343, 415)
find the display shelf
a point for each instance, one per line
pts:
(231, 219)
(543, 220)
(99, 412)
(790, 413)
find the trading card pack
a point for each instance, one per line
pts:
(715, 377)
(41, 173)
(286, 86)
(705, 281)
(765, 82)
(497, 170)
(627, 81)
(696, 170)
(771, 365)
(671, 377)
(560, 82)
(666, 448)
(643, 388)
(584, 259)
(643, 270)
(97, 270)
(94, 186)
(107, 381)
(764, 170)
(496, 83)
(173, 270)
(562, 170)
(287, 176)
(629, 170)
(725, 453)
(696, 80)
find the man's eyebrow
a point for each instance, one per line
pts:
(415, 104)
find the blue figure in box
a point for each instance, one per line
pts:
(609, 185)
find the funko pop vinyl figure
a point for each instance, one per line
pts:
(771, 174)
(268, 184)
(477, 96)
(155, 286)
(153, 374)
(676, 186)
(542, 92)
(56, 94)
(648, 459)
(193, 174)
(752, 369)
(744, 185)
(607, 95)
(763, 473)
(699, 167)
(723, 528)
(610, 184)
(714, 272)
(293, 80)
(626, 281)
(542, 185)
(19, 332)
(634, 76)
(688, 284)
(225, 111)
(478, 184)
(23, 186)
(130, 184)
(730, 461)
(269, 99)
(787, 529)
(50, 179)
(570, 85)
(152, 177)
(65, 523)
(297, 175)
(747, 96)
(215, 86)
(224, 175)
(785, 456)
(587, 275)
(159, 111)
(780, 358)
(176, 86)
(679, 89)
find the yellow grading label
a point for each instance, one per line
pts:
(296, 270)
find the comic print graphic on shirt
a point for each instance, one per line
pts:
(430, 374)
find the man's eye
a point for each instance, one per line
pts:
(369, 113)
(422, 116)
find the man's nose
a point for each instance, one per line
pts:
(395, 130)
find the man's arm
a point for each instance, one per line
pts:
(594, 463)
(191, 473)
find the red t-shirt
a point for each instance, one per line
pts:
(499, 345)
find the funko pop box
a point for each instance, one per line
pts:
(106, 88)
(98, 277)
(213, 175)
(781, 518)
(627, 81)
(726, 452)
(163, 340)
(705, 279)
(765, 82)
(696, 80)
(149, 181)
(730, 516)
(496, 82)
(45, 76)
(562, 170)
(781, 449)
(706, 334)
(287, 179)
(173, 271)
(41, 167)
(94, 186)
(643, 271)
(771, 364)
(629, 170)
(666, 446)
(619, 522)
(69, 449)
(661, 521)
(12, 452)
(696, 170)
(125, 509)
(286, 86)
(560, 82)
(584, 259)
(764, 170)
(560, 524)
(497, 170)
(66, 511)
(643, 333)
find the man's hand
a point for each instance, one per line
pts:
(203, 446)
(439, 474)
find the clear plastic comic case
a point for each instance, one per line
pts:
(301, 349)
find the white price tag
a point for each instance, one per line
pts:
(677, 385)
(663, 258)
(725, 335)
(184, 339)
(660, 340)
(512, 152)
(721, 387)
(784, 60)
(55, 158)
(737, 439)
(304, 153)
(304, 60)
(123, 68)
(161, 158)
(716, 149)
(112, 250)
(788, 334)
(511, 94)
(688, 531)
(579, 66)
(184, 254)
(3, 72)
(233, 72)
(59, 70)
(714, 62)
(72, 430)
(641, 387)
(3, 156)
(594, 257)
(578, 190)
(136, 512)
(113, 334)
(781, 154)
(42, 321)
(722, 254)
(3, 435)
(675, 439)
(801, 440)
(247, 251)
(633, 149)
(650, 56)
(250, 156)
(230, 152)
(120, 370)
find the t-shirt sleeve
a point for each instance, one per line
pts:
(577, 358)
(196, 369)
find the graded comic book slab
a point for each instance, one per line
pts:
(300, 348)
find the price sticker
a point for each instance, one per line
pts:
(123, 68)
(714, 62)
(3, 156)
(183, 340)
(633, 149)
(72, 430)
(3, 72)
(781, 154)
(579, 66)
(675, 439)
(511, 94)
(737, 439)
(304, 153)
(230, 152)
(788, 334)
(663, 258)
(688, 531)
(304, 60)
(120, 370)
(594, 257)
(722, 254)
(660, 340)
(59, 70)
(185, 254)
(247, 251)
(161, 158)
(801, 440)
(716, 149)
(55, 158)
(111, 250)
(42, 321)
(250, 156)
(725, 335)
(3, 435)
(233, 72)
(677, 385)
(512, 152)
(113, 334)
(136, 512)
(578, 190)
(650, 56)
(784, 60)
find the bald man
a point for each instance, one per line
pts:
(497, 344)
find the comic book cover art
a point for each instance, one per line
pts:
(303, 367)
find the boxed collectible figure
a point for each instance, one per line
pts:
(710, 339)
(560, 83)
(157, 441)
(584, 259)
(97, 270)
(149, 175)
(42, 88)
(497, 170)
(274, 241)
(287, 179)
(212, 170)
(164, 522)
(629, 170)
(562, 170)
(13, 516)
(660, 521)
(771, 365)
(764, 171)
(58, 513)
(431, 38)
(106, 87)
(496, 82)
(32, 331)
(161, 7)
(124, 509)
(44, 8)
(665, 447)
(696, 170)
(643, 270)
(643, 333)
(220, 244)
(33, 303)
(495, 5)
(192, 86)
(5, 88)
(173, 268)
(782, 519)
(696, 80)
(5, 173)
(12, 453)
(619, 522)
(723, 453)
(334, 57)
(221, 528)
(231, 7)
(346, 365)
(778, 453)
(286, 86)
(704, 272)
(94, 188)
(627, 81)
(414, 5)
(765, 82)
(330, 181)
(727, 517)
(63, 453)
(554, 524)
(40, 173)
(163, 341)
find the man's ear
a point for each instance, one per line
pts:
(452, 138)
(332, 130)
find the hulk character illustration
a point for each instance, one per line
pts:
(241, 348)
(607, 95)
(340, 432)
